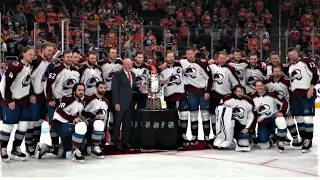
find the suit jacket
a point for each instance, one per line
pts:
(121, 89)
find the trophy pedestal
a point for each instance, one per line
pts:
(153, 104)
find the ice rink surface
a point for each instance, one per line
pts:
(205, 164)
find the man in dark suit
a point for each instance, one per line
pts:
(122, 90)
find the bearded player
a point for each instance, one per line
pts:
(15, 90)
(109, 67)
(174, 92)
(39, 76)
(60, 83)
(304, 76)
(197, 76)
(240, 64)
(142, 71)
(255, 71)
(275, 61)
(243, 115)
(96, 111)
(271, 110)
(68, 125)
(224, 79)
(281, 83)
(90, 73)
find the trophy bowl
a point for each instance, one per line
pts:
(153, 86)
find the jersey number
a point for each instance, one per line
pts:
(62, 105)
(52, 76)
(312, 65)
(11, 75)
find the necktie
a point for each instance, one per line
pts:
(129, 77)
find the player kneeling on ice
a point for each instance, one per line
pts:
(95, 110)
(234, 119)
(271, 108)
(68, 126)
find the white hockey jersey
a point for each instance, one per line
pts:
(89, 77)
(142, 73)
(108, 69)
(95, 106)
(281, 86)
(15, 83)
(253, 74)
(302, 74)
(197, 75)
(68, 109)
(60, 82)
(175, 80)
(268, 105)
(242, 109)
(240, 69)
(39, 74)
(224, 79)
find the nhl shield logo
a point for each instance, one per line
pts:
(147, 124)
(156, 125)
(162, 124)
(170, 124)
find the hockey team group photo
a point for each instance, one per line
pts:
(101, 82)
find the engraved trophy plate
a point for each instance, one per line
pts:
(153, 86)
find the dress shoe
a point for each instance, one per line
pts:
(126, 146)
(119, 148)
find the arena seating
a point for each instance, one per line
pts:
(303, 18)
(208, 27)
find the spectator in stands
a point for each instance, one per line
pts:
(19, 17)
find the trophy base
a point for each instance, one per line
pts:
(153, 104)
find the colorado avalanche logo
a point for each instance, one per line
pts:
(190, 72)
(174, 79)
(239, 73)
(296, 75)
(44, 76)
(100, 112)
(109, 76)
(280, 94)
(68, 84)
(91, 82)
(238, 112)
(218, 78)
(264, 109)
(140, 79)
(26, 81)
(252, 78)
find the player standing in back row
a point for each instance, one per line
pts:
(15, 90)
(304, 76)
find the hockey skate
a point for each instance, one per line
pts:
(306, 146)
(296, 143)
(194, 141)
(273, 139)
(280, 145)
(4, 155)
(30, 149)
(209, 142)
(77, 156)
(287, 141)
(96, 152)
(41, 150)
(16, 154)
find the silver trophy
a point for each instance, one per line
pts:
(153, 85)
